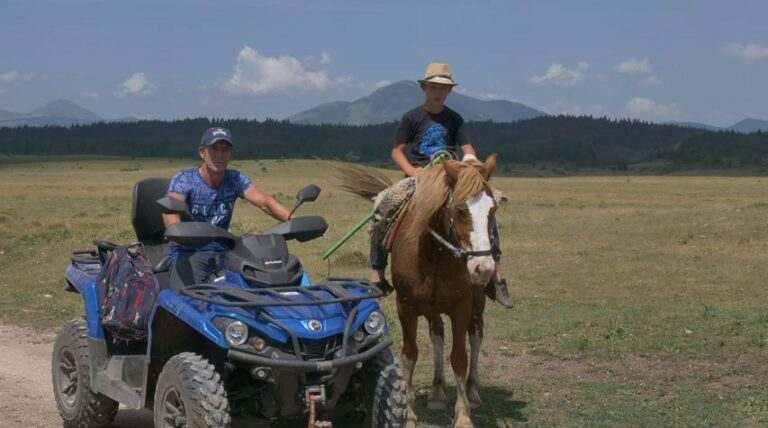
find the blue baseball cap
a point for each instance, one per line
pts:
(212, 136)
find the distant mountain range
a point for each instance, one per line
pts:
(750, 125)
(745, 126)
(59, 112)
(55, 113)
(388, 104)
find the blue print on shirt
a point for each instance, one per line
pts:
(211, 205)
(433, 140)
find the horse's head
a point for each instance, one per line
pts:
(468, 210)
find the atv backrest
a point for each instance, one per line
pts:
(146, 213)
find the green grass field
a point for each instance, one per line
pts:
(641, 301)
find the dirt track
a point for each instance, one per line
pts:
(26, 396)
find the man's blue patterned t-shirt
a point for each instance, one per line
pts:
(211, 205)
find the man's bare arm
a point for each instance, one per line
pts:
(267, 203)
(398, 155)
(173, 218)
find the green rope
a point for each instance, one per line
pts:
(359, 225)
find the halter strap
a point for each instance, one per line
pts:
(457, 252)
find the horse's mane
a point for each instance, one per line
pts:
(432, 188)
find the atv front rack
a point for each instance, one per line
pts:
(339, 288)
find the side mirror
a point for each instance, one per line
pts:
(307, 194)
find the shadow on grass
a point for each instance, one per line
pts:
(497, 409)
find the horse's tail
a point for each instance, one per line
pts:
(361, 181)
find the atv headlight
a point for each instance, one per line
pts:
(375, 323)
(236, 333)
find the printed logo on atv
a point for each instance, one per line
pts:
(315, 325)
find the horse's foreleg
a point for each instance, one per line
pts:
(475, 341)
(459, 325)
(437, 399)
(408, 322)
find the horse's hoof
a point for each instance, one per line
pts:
(437, 399)
(463, 422)
(410, 418)
(436, 405)
(474, 398)
(410, 423)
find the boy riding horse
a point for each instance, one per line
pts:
(430, 129)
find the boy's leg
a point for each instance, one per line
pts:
(497, 288)
(193, 268)
(378, 260)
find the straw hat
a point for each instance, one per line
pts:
(438, 73)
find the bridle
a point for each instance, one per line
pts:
(457, 252)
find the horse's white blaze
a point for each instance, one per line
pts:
(480, 268)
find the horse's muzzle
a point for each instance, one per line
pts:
(480, 269)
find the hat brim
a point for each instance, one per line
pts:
(216, 140)
(439, 80)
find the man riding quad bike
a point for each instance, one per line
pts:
(258, 340)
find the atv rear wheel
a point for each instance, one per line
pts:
(79, 407)
(190, 394)
(383, 394)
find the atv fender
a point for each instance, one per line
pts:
(89, 290)
(180, 307)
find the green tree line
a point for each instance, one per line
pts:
(564, 140)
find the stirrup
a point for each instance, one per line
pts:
(384, 286)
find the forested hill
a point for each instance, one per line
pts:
(564, 140)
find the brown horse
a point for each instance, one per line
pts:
(440, 263)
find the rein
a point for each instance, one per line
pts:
(456, 251)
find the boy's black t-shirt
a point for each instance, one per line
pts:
(428, 133)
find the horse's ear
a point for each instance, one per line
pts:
(488, 166)
(451, 169)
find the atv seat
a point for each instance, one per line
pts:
(147, 219)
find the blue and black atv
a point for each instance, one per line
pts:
(260, 341)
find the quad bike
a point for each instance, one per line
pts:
(259, 341)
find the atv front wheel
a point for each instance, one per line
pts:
(78, 406)
(383, 394)
(190, 394)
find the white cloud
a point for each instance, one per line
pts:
(14, 76)
(645, 108)
(651, 80)
(258, 74)
(136, 85)
(640, 68)
(325, 58)
(382, 83)
(747, 53)
(559, 75)
(635, 67)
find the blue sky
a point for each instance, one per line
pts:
(702, 61)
